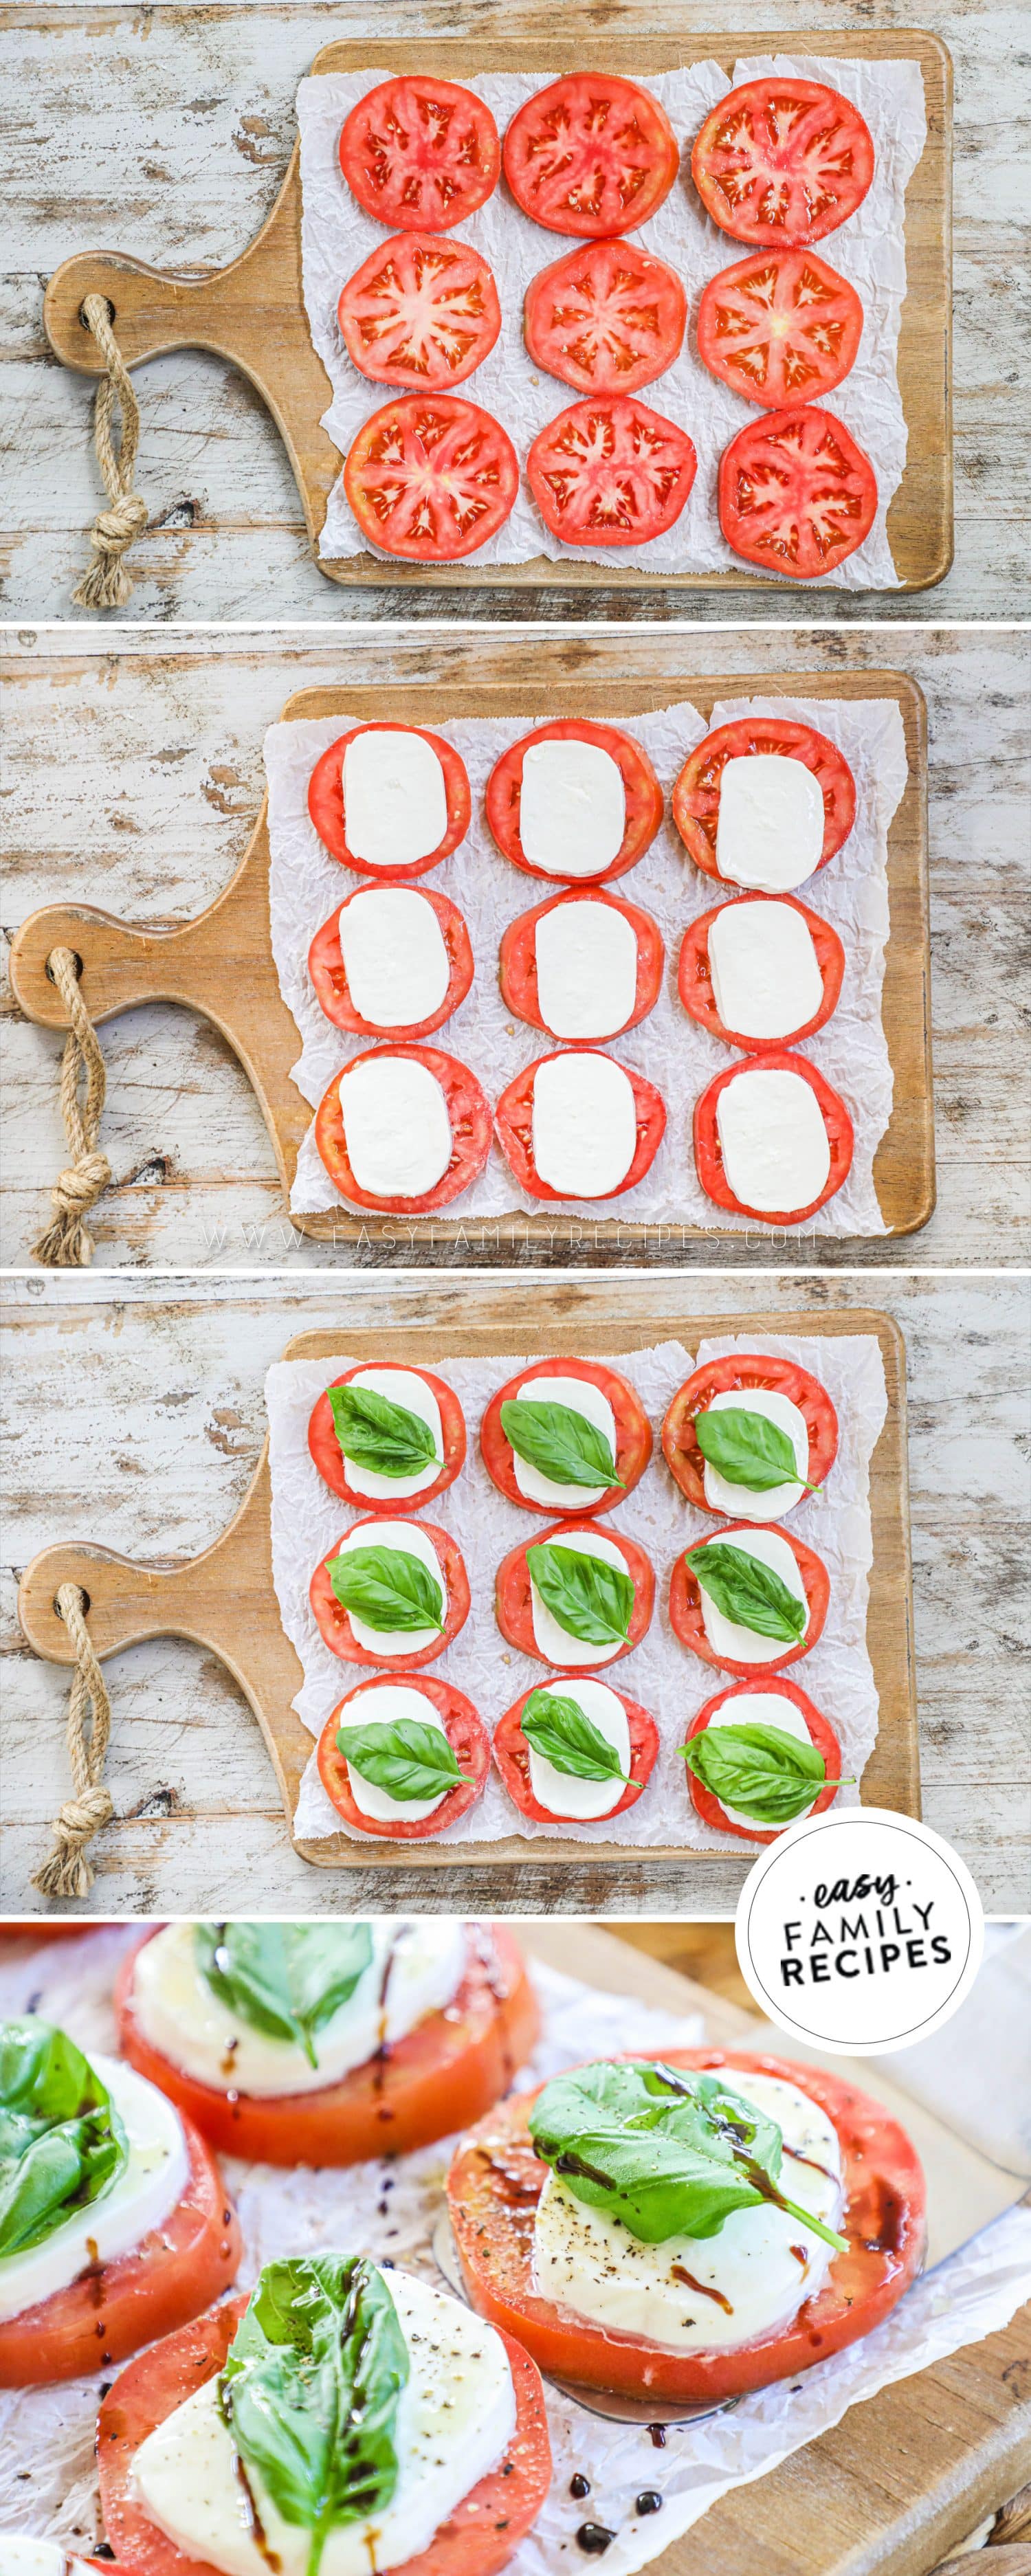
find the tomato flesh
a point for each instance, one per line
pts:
(609, 472)
(329, 973)
(334, 1623)
(695, 985)
(591, 155)
(518, 959)
(633, 1431)
(782, 160)
(641, 791)
(512, 1756)
(796, 493)
(326, 802)
(421, 312)
(780, 328)
(687, 1617)
(696, 795)
(431, 477)
(470, 1744)
(513, 1597)
(420, 154)
(329, 1458)
(744, 1370)
(470, 1134)
(708, 1151)
(821, 1733)
(606, 319)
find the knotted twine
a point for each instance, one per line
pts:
(65, 1244)
(66, 1871)
(107, 584)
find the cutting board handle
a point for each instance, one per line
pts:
(152, 309)
(121, 966)
(126, 1602)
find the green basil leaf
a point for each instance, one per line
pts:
(748, 1450)
(286, 1979)
(310, 2392)
(378, 1433)
(62, 2144)
(568, 1740)
(408, 1758)
(388, 1588)
(746, 1590)
(590, 1598)
(558, 1441)
(759, 1770)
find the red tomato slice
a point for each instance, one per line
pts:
(420, 312)
(608, 472)
(782, 160)
(694, 978)
(780, 327)
(514, 1607)
(518, 963)
(744, 1370)
(420, 154)
(641, 790)
(329, 973)
(607, 319)
(431, 477)
(470, 1132)
(512, 1755)
(444, 2073)
(329, 1458)
(696, 796)
(326, 802)
(590, 155)
(470, 1744)
(106, 2314)
(496, 2180)
(685, 1605)
(513, 1126)
(708, 1152)
(796, 494)
(823, 1736)
(334, 1622)
(633, 1431)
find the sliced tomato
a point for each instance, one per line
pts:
(512, 1756)
(592, 154)
(470, 1744)
(737, 1375)
(696, 796)
(470, 1133)
(687, 1619)
(431, 477)
(420, 153)
(513, 1125)
(606, 319)
(796, 494)
(113, 2308)
(421, 312)
(326, 802)
(780, 327)
(609, 472)
(334, 1622)
(514, 1607)
(823, 1736)
(518, 958)
(641, 790)
(329, 1458)
(633, 1431)
(708, 1152)
(782, 160)
(329, 973)
(496, 2181)
(695, 987)
(29, 1929)
(445, 2072)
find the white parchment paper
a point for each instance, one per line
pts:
(668, 1048)
(869, 250)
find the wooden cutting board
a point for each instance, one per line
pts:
(225, 1599)
(221, 965)
(252, 312)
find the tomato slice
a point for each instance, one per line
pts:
(514, 1607)
(780, 327)
(518, 958)
(326, 802)
(431, 477)
(329, 973)
(633, 1431)
(609, 472)
(496, 2181)
(708, 1152)
(685, 1605)
(823, 1736)
(106, 2314)
(694, 977)
(782, 160)
(641, 790)
(743, 1370)
(334, 1622)
(420, 153)
(606, 319)
(796, 494)
(696, 796)
(445, 2072)
(513, 1126)
(470, 1133)
(329, 1458)
(512, 1756)
(590, 155)
(470, 1744)
(421, 312)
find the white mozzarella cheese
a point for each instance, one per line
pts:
(584, 1125)
(572, 808)
(394, 956)
(559, 1791)
(150, 2185)
(396, 1126)
(555, 1642)
(769, 829)
(395, 800)
(382, 1705)
(405, 1387)
(728, 1636)
(455, 2420)
(591, 2264)
(763, 1708)
(776, 1150)
(582, 1397)
(178, 2013)
(737, 1500)
(765, 971)
(404, 1538)
(586, 969)
(24, 2557)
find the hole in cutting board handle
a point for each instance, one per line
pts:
(77, 963)
(86, 1605)
(111, 309)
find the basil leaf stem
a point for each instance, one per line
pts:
(747, 1590)
(387, 1588)
(748, 1449)
(590, 1598)
(62, 2143)
(285, 1979)
(557, 1728)
(559, 1441)
(310, 2392)
(375, 1432)
(760, 1771)
(408, 1759)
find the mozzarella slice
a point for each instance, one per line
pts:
(382, 1705)
(776, 1150)
(737, 1500)
(396, 1126)
(150, 2185)
(415, 1969)
(559, 1791)
(586, 969)
(394, 956)
(395, 799)
(591, 2264)
(405, 1387)
(553, 1641)
(455, 2421)
(582, 1396)
(765, 972)
(584, 1125)
(764, 1708)
(572, 808)
(769, 828)
(728, 1636)
(405, 1538)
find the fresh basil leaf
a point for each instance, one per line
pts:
(558, 1441)
(758, 1770)
(408, 1758)
(746, 1590)
(286, 1979)
(378, 1433)
(557, 1727)
(310, 2391)
(590, 1598)
(748, 1449)
(62, 2144)
(388, 1588)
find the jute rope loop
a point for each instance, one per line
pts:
(107, 584)
(66, 1871)
(65, 1244)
